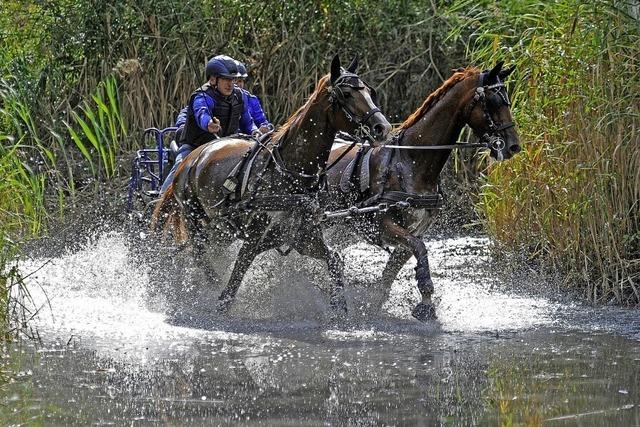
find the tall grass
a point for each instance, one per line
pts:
(159, 49)
(571, 198)
(101, 132)
(21, 214)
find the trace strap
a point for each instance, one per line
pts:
(437, 147)
(388, 200)
(425, 147)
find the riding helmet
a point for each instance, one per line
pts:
(230, 64)
(217, 67)
(242, 70)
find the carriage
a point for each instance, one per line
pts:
(150, 167)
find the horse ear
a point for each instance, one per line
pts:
(495, 70)
(335, 68)
(503, 74)
(354, 64)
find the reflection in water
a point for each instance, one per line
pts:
(495, 357)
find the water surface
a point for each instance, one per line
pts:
(111, 356)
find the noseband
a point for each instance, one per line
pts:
(493, 138)
(338, 100)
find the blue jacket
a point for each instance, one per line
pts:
(255, 109)
(203, 105)
(182, 117)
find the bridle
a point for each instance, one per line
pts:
(338, 100)
(493, 138)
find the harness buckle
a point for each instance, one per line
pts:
(230, 184)
(363, 131)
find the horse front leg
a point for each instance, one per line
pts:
(315, 247)
(248, 252)
(336, 272)
(397, 260)
(425, 310)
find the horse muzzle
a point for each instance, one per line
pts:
(379, 129)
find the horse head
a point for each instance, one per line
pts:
(489, 113)
(354, 104)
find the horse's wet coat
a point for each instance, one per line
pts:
(438, 121)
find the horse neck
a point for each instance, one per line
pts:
(441, 125)
(306, 146)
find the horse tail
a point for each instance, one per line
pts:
(168, 214)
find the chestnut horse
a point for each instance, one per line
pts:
(407, 179)
(274, 204)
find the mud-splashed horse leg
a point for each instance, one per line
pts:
(199, 251)
(425, 310)
(250, 249)
(315, 247)
(397, 260)
(248, 252)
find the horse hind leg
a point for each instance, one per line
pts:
(199, 251)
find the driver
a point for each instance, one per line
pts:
(216, 109)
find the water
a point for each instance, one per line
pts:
(110, 356)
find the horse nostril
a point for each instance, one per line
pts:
(378, 129)
(515, 148)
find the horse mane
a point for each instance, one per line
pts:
(296, 117)
(438, 94)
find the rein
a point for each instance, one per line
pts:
(460, 145)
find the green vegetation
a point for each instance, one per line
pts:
(571, 199)
(79, 79)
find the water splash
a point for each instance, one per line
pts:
(100, 293)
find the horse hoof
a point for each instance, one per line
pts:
(424, 312)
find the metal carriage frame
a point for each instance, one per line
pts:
(149, 168)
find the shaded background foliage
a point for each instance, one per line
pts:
(80, 79)
(159, 50)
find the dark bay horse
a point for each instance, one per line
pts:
(410, 176)
(276, 204)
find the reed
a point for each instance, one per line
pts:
(570, 200)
